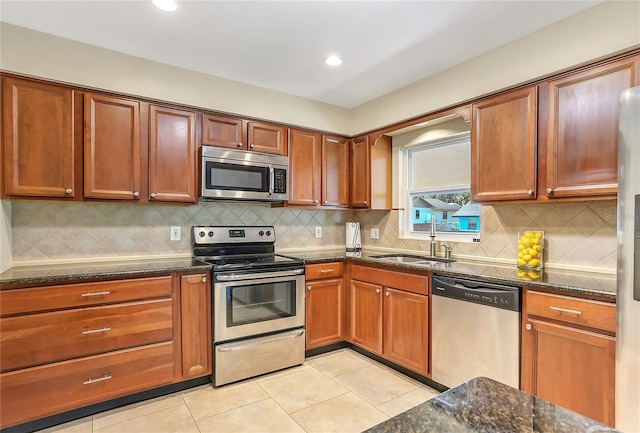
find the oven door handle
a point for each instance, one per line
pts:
(254, 276)
(234, 347)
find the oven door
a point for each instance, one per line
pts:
(249, 303)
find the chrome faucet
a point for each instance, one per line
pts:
(447, 251)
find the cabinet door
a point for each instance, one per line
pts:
(582, 139)
(304, 167)
(223, 131)
(504, 146)
(111, 147)
(359, 190)
(323, 312)
(570, 367)
(380, 184)
(195, 311)
(406, 329)
(267, 138)
(39, 150)
(335, 175)
(172, 155)
(366, 315)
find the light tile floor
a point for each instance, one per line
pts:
(341, 391)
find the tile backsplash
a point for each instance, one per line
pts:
(577, 234)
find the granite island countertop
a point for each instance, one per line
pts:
(483, 405)
(572, 283)
(77, 272)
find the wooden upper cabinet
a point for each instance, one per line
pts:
(335, 171)
(504, 146)
(582, 136)
(264, 137)
(360, 173)
(380, 172)
(172, 155)
(39, 150)
(305, 159)
(223, 131)
(237, 133)
(111, 147)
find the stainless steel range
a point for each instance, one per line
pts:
(258, 301)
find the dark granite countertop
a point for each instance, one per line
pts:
(48, 274)
(583, 284)
(483, 405)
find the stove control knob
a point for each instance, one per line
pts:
(268, 232)
(202, 234)
(211, 234)
(261, 233)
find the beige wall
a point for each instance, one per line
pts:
(606, 28)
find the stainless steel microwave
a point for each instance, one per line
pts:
(229, 174)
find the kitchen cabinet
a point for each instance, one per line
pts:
(112, 157)
(389, 315)
(41, 154)
(582, 130)
(237, 133)
(504, 140)
(568, 353)
(370, 154)
(324, 304)
(67, 346)
(335, 171)
(195, 311)
(173, 165)
(360, 173)
(305, 160)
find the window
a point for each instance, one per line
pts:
(437, 180)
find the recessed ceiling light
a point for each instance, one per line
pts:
(165, 5)
(333, 60)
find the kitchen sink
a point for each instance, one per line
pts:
(411, 258)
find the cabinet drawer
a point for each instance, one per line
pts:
(324, 270)
(593, 314)
(47, 337)
(397, 280)
(37, 392)
(83, 294)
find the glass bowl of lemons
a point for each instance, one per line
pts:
(530, 249)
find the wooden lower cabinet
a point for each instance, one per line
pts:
(567, 364)
(390, 321)
(324, 304)
(98, 341)
(29, 394)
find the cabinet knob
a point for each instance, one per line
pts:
(315, 202)
(68, 191)
(365, 202)
(325, 202)
(530, 192)
(239, 144)
(387, 294)
(136, 194)
(204, 279)
(528, 326)
(308, 287)
(153, 195)
(549, 190)
(252, 145)
(377, 290)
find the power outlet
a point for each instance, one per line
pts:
(318, 232)
(375, 233)
(175, 233)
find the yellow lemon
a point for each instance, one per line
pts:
(520, 255)
(520, 246)
(521, 262)
(536, 241)
(533, 262)
(538, 235)
(527, 242)
(537, 247)
(526, 257)
(528, 234)
(533, 253)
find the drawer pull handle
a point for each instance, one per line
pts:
(323, 271)
(100, 379)
(96, 294)
(566, 310)
(95, 331)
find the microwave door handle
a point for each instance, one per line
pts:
(272, 179)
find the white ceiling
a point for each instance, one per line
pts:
(280, 45)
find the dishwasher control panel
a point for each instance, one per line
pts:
(479, 292)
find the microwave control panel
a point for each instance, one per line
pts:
(279, 181)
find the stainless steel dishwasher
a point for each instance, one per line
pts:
(475, 331)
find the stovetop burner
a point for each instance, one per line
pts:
(238, 247)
